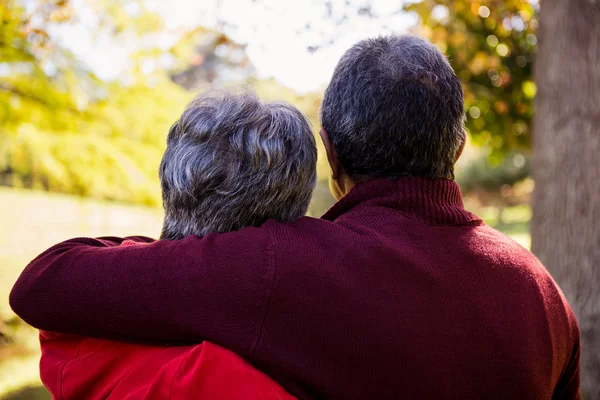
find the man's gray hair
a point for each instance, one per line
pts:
(232, 161)
(394, 107)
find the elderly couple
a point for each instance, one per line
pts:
(396, 292)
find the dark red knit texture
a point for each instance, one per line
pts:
(396, 292)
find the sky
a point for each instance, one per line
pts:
(279, 34)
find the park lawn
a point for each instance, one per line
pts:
(515, 222)
(33, 221)
(19, 349)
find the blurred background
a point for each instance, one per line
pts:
(89, 89)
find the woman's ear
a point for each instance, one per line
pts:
(462, 146)
(331, 155)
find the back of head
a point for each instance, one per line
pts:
(394, 107)
(232, 161)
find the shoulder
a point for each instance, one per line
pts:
(311, 229)
(308, 237)
(531, 275)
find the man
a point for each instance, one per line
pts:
(222, 145)
(396, 292)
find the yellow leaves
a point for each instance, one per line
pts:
(502, 50)
(490, 23)
(474, 112)
(439, 34)
(492, 40)
(7, 9)
(526, 13)
(497, 141)
(12, 22)
(459, 7)
(469, 97)
(501, 107)
(422, 8)
(479, 123)
(147, 22)
(529, 89)
(423, 31)
(519, 128)
(441, 46)
(484, 12)
(478, 63)
(486, 136)
(62, 13)
(36, 31)
(464, 75)
(493, 62)
(457, 39)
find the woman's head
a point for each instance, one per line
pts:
(233, 161)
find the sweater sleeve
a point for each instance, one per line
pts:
(212, 288)
(568, 388)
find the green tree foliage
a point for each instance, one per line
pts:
(36, 74)
(63, 129)
(490, 44)
(479, 174)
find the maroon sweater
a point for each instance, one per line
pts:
(397, 292)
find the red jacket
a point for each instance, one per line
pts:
(397, 292)
(73, 367)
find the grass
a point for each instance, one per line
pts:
(514, 223)
(33, 221)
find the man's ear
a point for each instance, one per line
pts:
(462, 146)
(331, 155)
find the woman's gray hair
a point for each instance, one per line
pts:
(232, 161)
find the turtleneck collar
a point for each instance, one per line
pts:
(433, 201)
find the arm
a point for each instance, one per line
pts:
(211, 288)
(568, 388)
(569, 385)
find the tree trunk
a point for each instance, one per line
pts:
(565, 227)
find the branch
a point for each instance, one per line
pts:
(8, 88)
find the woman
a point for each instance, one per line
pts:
(231, 162)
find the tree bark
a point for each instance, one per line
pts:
(565, 227)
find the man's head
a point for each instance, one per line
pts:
(394, 107)
(232, 161)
